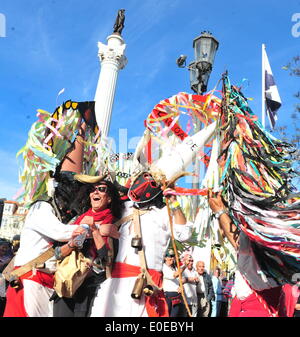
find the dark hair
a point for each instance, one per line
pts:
(83, 203)
(173, 264)
(122, 189)
(8, 245)
(65, 195)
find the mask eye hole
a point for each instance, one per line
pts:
(153, 184)
(147, 176)
(134, 196)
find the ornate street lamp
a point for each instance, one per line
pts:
(205, 48)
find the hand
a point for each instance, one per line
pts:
(109, 230)
(89, 220)
(215, 201)
(168, 193)
(78, 230)
(203, 302)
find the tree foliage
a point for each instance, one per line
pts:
(293, 137)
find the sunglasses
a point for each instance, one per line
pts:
(101, 189)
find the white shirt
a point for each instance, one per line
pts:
(190, 289)
(200, 285)
(241, 288)
(41, 229)
(156, 233)
(113, 298)
(170, 283)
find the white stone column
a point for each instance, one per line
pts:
(112, 59)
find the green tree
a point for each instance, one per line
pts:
(292, 134)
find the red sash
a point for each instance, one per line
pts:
(156, 306)
(15, 297)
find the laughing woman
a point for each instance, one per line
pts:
(102, 210)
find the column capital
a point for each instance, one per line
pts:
(112, 53)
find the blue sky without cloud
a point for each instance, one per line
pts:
(52, 44)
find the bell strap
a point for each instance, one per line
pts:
(141, 252)
(128, 218)
(110, 242)
(35, 263)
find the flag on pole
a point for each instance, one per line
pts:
(271, 94)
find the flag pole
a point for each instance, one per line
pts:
(263, 100)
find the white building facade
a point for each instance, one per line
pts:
(13, 218)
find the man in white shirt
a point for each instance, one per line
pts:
(171, 285)
(190, 287)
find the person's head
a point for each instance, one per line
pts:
(232, 276)
(224, 281)
(98, 194)
(15, 243)
(99, 197)
(217, 272)
(189, 261)
(170, 257)
(144, 189)
(200, 267)
(105, 195)
(4, 248)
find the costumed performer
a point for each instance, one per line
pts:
(256, 172)
(46, 223)
(135, 288)
(247, 302)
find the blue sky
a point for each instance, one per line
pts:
(51, 44)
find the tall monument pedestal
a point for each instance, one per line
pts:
(112, 59)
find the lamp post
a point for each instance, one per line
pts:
(205, 48)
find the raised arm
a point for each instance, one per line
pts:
(226, 224)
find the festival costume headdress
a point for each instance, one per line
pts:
(147, 185)
(59, 146)
(87, 179)
(256, 176)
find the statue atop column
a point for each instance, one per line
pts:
(119, 24)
